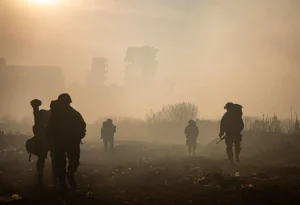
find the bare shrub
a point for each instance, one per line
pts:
(169, 122)
(178, 112)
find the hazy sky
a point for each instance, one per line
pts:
(215, 50)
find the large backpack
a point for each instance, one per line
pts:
(237, 109)
(234, 120)
(36, 144)
(33, 145)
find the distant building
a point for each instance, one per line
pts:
(141, 65)
(20, 84)
(98, 73)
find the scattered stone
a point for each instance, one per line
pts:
(16, 197)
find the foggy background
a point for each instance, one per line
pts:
(210, 52)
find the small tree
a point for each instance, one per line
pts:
(171, 120)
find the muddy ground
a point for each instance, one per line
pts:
(148, 173)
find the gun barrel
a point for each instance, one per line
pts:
(29, 159)
(220, 140)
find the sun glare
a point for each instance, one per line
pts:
(45, 1)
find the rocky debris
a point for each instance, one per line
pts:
(153, 179)
(6, 199)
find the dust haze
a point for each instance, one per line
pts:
(209, 53)
(150, 79)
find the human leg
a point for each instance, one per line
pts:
(229, 146)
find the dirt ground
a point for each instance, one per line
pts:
(148, 173)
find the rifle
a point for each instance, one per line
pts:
(29, 159)
(220, 140)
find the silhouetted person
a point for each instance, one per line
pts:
(191, 133)
(108, 131)
(3, 143)
(232, 125)
(67, 128)
(1, 134)
(40, 145)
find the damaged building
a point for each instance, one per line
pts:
(19, 84)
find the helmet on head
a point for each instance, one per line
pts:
(192, 122)
(52, 104)
(65, 97)
(109, 120)
(228, 105)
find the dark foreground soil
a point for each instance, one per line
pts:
(144, 173)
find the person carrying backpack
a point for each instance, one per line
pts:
(39, 144)
(232, 125)
(66, 129)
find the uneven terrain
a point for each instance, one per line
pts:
(153, 173)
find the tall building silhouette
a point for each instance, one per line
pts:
(20, 84)
(141, 65)
(98, 73)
